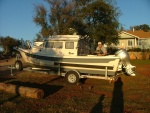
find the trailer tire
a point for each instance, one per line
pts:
(18, 65)
(72, 77)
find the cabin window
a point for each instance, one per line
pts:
(58, 45)
(54, 45)
(69, 45)
(49, 45)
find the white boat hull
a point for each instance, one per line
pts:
(84, 64)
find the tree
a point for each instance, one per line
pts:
(97, 19)
(62, 15)
(58, 21)
(143, 27)
(100, 19)
(41, 20)
(7, 43)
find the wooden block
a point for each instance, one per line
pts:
(23, 91)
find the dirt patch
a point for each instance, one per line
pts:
(143, 69)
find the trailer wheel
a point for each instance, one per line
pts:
(18, 65)
(72, 77)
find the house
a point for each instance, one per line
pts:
(134, 39)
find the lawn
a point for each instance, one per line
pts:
(125, 95)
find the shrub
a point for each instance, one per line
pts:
(135, 50)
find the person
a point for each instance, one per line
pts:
(101, 50)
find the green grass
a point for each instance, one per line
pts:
(135, 62)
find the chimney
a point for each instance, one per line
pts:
(133, 29)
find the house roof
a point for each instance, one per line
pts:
(139, 33)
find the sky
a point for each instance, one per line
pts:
(16, 16)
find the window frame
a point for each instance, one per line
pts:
(130, 43)
(67, 47)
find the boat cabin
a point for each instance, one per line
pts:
(63, 45)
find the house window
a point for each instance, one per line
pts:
(130, 43)
(140, 42)
(69, 45)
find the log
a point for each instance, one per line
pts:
(22, 91)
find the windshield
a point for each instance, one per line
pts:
(83, 47)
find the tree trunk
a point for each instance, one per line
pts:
(23, 91)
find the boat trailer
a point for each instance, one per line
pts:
(71, 76)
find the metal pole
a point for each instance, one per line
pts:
(106, 72)
(11, 72)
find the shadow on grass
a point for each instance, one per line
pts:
(98, 108)
(5, 72)
(9, 99)
(54, 79)
(117, 103)
(6, 79)
(82, 81)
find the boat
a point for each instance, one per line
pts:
(70, 56)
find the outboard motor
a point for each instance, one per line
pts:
(125, 60)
